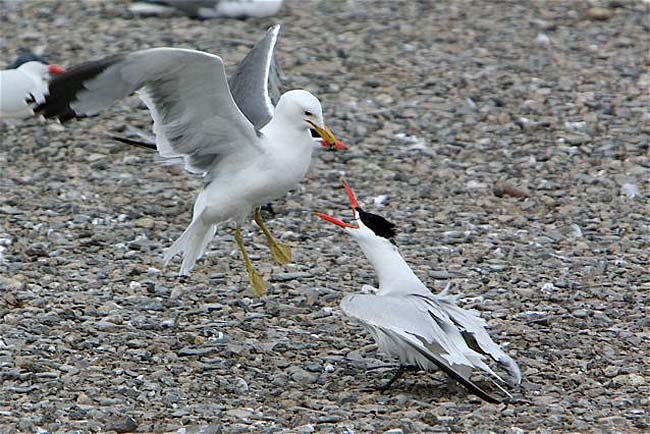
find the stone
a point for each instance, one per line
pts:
(144, 222)
(299, 375)
(121, 424)
(599, 14)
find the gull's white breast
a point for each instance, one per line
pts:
(240, 186)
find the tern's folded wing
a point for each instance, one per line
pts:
(419, 331)
(186, 91)
(472, 324)
(417, 344)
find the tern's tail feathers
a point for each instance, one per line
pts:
(420, 346)
(474, 326)
(192, 244)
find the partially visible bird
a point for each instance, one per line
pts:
(206, 9)
(248, 151)
(27, 76)
(408, 322)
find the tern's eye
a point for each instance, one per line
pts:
(308, 113)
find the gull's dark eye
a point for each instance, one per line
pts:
(308, 113)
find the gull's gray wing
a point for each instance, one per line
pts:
(255, 85)
(186, 91)
(419, 333)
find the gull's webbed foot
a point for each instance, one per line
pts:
(257, 282)
(282, 253)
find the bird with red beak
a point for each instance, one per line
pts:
(424, 331)
(26, 79)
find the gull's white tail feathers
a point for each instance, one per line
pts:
(193, 244)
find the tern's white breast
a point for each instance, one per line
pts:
(15, 87)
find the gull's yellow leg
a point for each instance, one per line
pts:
(256, 280)
(280, 252)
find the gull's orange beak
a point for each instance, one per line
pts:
(55, 70)
(354, 204)
(329, 140)
(338, 146)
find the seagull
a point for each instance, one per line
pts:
(248, 151)
(205, 9)
(28, 75)
(408, 322)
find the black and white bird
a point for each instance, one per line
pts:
(408, 322)
(206, 9)
(248, 151)
(27, 76)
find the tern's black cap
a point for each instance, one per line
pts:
(27, 57)
(376, 223)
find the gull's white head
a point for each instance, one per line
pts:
(371, 231)
(299, 106)
(302, 109)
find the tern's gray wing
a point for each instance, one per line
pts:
(255, 85)
(473, 325)
(419, 333)
(186, 91)
(416, 344)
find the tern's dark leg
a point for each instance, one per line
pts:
(256, 280)
(400, 370)
(280, 252)
(398, 373)
(268, 208)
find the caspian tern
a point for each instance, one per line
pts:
(28, 75)
(410, 323)
(249, 153)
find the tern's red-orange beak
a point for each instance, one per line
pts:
(354, 204)
(335, 221)
(353, 199)
(55, 70)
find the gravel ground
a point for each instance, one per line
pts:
(511, 141)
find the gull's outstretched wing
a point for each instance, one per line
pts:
(255, 85)
(419, 333)
(186, 91)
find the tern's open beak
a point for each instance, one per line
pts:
(329, 140)
(55, 70)
(354, 204)
(335, 221)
